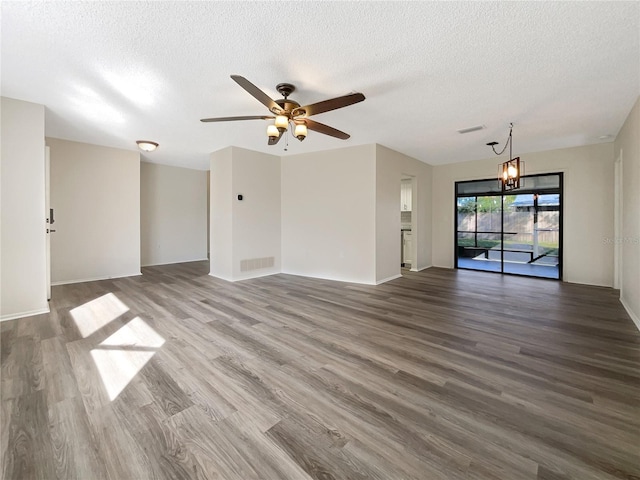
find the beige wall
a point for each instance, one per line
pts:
(257, 217)
(627, 148)
(328, 214)
(246, 232)
(391, 166)
(337, 213)
(22, 223)
(221, 214)
(173, 214)
(95, 192)
(588, 207)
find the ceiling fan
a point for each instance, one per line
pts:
(287, 112)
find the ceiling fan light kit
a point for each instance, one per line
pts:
(289, 114)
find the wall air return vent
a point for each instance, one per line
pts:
(256, 263)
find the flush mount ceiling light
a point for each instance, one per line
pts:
(509, 172)
(146, 145)
(287, 114)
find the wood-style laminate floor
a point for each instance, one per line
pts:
(436, 375)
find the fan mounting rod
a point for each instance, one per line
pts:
(285, 89)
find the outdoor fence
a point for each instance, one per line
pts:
(519, 222)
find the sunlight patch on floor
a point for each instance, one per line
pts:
(135, 333)
(118, 367)
(120, 357)
(92, 316)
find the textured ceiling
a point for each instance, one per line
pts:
(566, 73)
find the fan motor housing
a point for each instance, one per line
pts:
(287, 105)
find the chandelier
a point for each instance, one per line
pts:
(509, 172)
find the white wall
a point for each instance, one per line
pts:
(391, 166)
(173, 214)
(95, 192)
(22, 223)
(627, 146)
(328, 214)
(250, 229)
(588, 207)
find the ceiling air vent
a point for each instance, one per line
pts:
(471, 129)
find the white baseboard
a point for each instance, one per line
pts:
(421, 268)
(221, 278)
(333, 279)
(631, 313)
(448, 267)
(388, 279)
(95, 279)
(240, 279)
(173, 263)
(14, 316)
(266, 273)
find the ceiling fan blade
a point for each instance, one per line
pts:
(274, 140)
(232, 119)
(328, 105)
(258, 94)
(326, 129)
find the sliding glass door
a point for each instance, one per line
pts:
(517, 233)
(479, 231)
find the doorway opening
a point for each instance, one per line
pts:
(516, 233)
(407, 250)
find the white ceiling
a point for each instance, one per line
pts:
(109, 73)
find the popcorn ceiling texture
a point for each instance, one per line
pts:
(110, 73)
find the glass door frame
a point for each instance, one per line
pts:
(498, 192)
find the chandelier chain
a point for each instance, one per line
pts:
(506, 144)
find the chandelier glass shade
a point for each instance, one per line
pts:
(510, 174)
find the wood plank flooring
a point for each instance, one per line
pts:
(440, 374)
